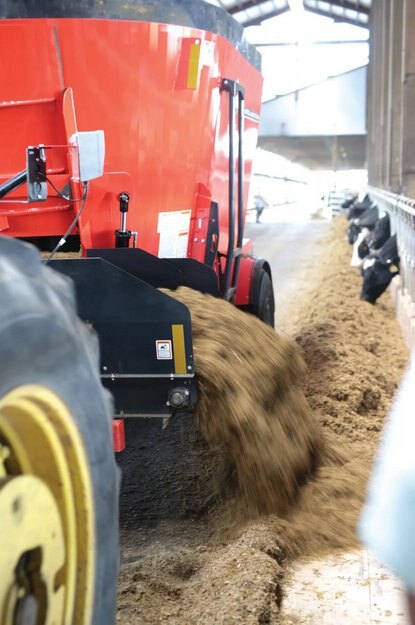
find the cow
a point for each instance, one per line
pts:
(359, 248)
(350, 200)
(378, 270)
(367, 219)
(381, 233)
(357, 208)
(371, 241)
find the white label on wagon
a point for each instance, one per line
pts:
(173, 228)
(164, 350)
(207, 53)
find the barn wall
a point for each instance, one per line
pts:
(391, 137)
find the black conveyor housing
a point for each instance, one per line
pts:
(130, 316)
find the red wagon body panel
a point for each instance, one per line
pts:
(155, 91)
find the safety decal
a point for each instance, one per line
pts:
(164, 350)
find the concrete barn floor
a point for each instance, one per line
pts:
(287, 237)
(344, 589)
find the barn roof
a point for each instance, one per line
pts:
(254, 12)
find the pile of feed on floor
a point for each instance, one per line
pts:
(193, 572)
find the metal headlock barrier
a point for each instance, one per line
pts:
(401, 210)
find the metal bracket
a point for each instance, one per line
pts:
(37, 188)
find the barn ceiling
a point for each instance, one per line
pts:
(254, 12)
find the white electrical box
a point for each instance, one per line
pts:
(90, 149)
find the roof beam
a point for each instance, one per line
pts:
(248, 4)
(338, 18)
(242, 6)
(296, 5)
(352, 6)
(328, 42)
(258, 20)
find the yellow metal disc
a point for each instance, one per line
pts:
(43, 443)
(30, 525)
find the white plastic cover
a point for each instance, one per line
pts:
(91, 153)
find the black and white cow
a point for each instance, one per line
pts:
(371, 241)
(357, 208)
(379, 269)
(367, 219)
(381, 233)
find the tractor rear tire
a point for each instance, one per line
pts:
(59, 483)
